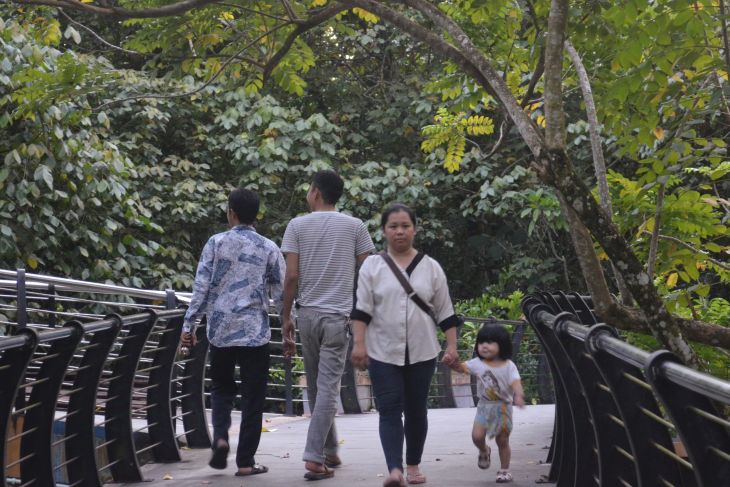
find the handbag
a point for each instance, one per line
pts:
(407, 286)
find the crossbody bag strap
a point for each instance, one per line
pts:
(407, 286)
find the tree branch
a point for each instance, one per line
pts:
(718, 263)
(302, 26)
(121, 13)
(220, 70)
(98, 37)
(554, 113)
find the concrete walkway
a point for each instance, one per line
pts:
(449, 458)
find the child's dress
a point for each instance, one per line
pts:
(494, 388)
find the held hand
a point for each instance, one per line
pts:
(520, 401)
(188, 339)
(287, 332)
(359, 356)
(451, 357)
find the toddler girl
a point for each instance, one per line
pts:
(498, 387)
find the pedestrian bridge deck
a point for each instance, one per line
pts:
(449, 458)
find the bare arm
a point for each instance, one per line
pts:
(359, 354)
(519, 393)
(291, 281)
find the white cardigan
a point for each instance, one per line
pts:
(394, 320)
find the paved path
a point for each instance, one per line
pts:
(449, 457)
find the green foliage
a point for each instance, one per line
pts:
(451, 130)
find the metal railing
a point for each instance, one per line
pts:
(92, 385)
(625, 416)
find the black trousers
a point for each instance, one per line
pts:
(253, 364)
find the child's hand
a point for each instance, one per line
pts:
(520, 401)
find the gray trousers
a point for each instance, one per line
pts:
(325, 338)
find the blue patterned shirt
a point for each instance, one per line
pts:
(237, 272)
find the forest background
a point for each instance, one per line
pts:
(122, 135)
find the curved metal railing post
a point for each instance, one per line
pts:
(36, 449)
(563, 466)
(124, 463)
(79, 434)
(705, 435)
(15, 354)
(159, 400)
(192, 401)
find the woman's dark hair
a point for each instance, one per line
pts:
(330, 184)
(395, 208)
(495, 334)
(245, 204)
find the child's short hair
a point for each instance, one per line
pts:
(495, 334)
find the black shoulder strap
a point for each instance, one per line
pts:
(407, 285)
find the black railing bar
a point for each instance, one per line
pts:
(622, 350)
(656, 417)
(145, 388)
(23, 433)
(720, 453)
(148, 369)
(177, 398)
(616, 420)
(16, 341)
(181, 379)
(39, 296)
(76, 483)
(33, 383)
(623, 452)
(109, 465)
(63, 464)
(672, 455)
(637, 381)
(493, 320)
(148, 350)
(576, 330)
(28, 407)
(185, 433)
(666, 482)
(696, 381)
(63, 284)
(64, 439)
(623, 482)
(85, 347)
(19, 461)
(182, 415)
(143, 408)
(604, 388)
(711, 417)
(145, 427)
(106, 443)
(43, 358)
(57, 313)
(30, 482)
(149, 447)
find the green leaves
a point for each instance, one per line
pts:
(451, 130)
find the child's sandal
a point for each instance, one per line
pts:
(485, 458)
(504, 476)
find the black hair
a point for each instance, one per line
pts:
(245, 204)
(395, 208)
(330, 184)
(495, 334)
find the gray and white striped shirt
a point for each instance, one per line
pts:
(328, 243)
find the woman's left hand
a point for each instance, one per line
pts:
(450, 355)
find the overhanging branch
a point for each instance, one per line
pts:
(121, 13)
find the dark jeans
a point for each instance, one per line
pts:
(402, 390)
(253, 364)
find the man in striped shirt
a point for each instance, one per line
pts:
(323, 250)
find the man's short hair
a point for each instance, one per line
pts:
(330, 184)
(245, 204)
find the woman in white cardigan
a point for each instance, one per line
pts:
(395, 338)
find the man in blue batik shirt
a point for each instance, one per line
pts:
(238, 269)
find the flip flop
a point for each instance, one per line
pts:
(218, 460)
(485, 459)
(415, 478)
(255, 470)
(333, 461)
(327, 474)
